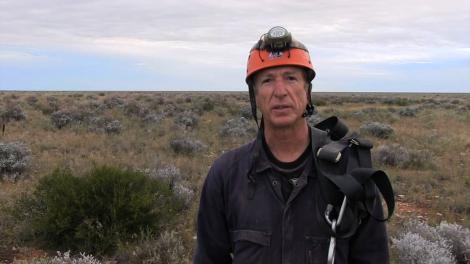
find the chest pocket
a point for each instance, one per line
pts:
(250, 246)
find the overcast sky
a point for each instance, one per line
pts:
(395, 46)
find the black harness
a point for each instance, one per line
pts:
(349, 184)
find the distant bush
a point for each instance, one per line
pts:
(421, 243)
(375, 114)
(408, 112)
(319, 101)
(105, 124)
(61, 118)
(12, 112)
(186, 146)
(245, 111)
(14, 159)
(207, 104)
(239, 127)
(114, 101)
(167, 173)
(32, 100)
(62, 258)
(172, 175)
(153, 118)
(377, 129)
(134, 109)
(53, 103)
(187, 120)
(400, 156)
(168, 248)
(95, 212)
(397, 101)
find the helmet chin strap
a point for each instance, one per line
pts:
(309, 109)
(253, 103)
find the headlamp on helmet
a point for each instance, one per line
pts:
(278, 38)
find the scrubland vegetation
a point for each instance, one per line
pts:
(115, 177)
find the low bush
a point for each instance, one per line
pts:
(14, 159)
(187, 120)
(377, 129)
(408, 112)
(105, 124)
(12, 112)
(186, 146)
(374, 114)
(399, 156)
(31, 100)
(114, 101)
(239, 127)
(62, 258)
(97, 211)
(168, 248)
(134, 109)
(420, 243)
(175, 180)
(245, 111)
(61, 118)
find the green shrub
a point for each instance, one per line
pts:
(96, 212)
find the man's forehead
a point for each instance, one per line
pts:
(280, 70)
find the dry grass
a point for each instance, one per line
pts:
(437, 193)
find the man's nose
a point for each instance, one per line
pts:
(280, 87)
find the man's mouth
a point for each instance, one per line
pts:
(280, 107)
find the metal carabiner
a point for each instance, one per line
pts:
(334, 224)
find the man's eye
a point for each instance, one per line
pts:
(291, 78)
(266, 80)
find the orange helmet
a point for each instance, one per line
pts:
(278, 48)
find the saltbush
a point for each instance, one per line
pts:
(420, 243)
(12, 112)
(459, 238)
(187, 120)
(175, 180)
(402, 157)
(186, 146)
(105, 124)
(114, 101)
(62, 258)
(134, 109)
(413, 248)
(168, 248)
(245, 111)
(97, 211)
(14, 159)
(374, 114)
(61, 118)
(408, 112)
(377, 129)
(31, 100)
(238, 127)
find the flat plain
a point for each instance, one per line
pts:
(421, 140)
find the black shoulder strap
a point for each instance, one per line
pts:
(334, 127)
(329, 142)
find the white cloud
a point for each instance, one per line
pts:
(219, 34)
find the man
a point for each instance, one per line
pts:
(261, 202)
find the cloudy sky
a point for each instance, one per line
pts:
(395, 46)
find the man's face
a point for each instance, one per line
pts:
(281, 95)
